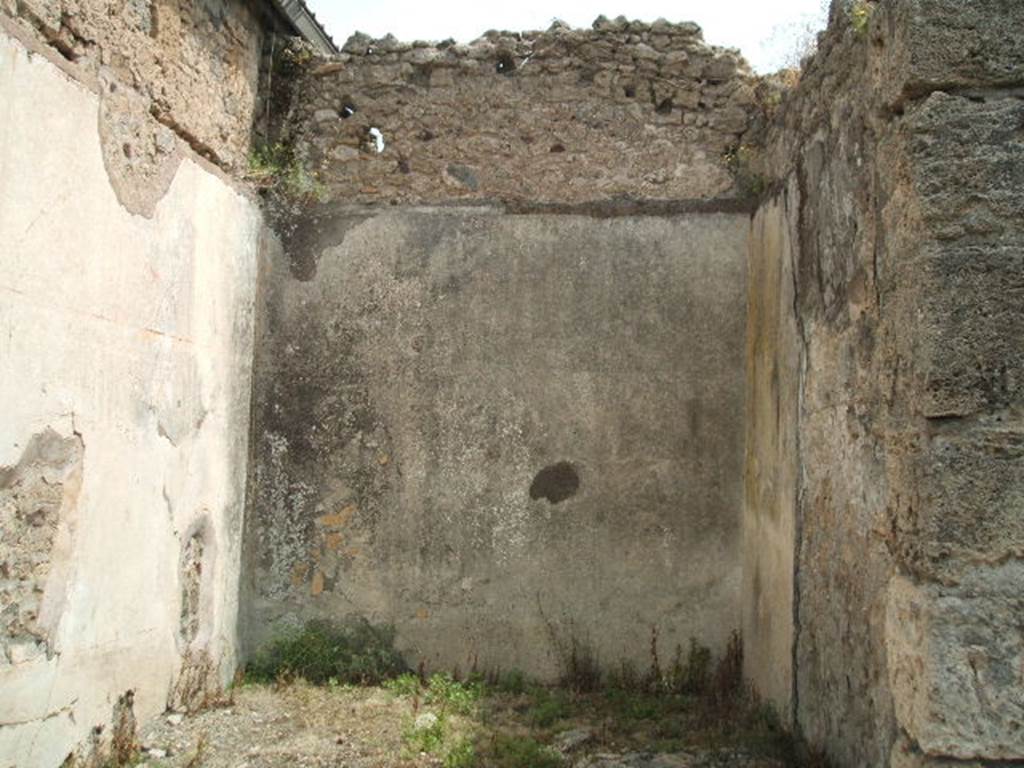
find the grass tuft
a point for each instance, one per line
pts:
(322, 652)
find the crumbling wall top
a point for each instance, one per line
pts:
(624, 109)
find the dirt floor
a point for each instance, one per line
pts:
(455, 725)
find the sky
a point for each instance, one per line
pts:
(771, 34)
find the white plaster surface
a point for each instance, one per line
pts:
(136, 334)
(771, 479)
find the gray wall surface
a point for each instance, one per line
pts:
(502, 433)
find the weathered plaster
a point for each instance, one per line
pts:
(132, 336)
(503, 432)
(774, 360)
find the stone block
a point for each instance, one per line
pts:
(943, 44)
(959, 495)
(968, 277)
(956, 663)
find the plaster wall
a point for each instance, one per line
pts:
(425, 379)
(125, 362)
(774, 361)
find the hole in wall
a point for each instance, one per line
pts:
(629, 91)
(556, 483)
(348, 108)
(664, 106)
(421, 74)
(505, 65)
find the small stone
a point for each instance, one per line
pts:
(464, 175)
(425, 55)
(175, 718)
(357, 43)
(689, 29)
(390, 44)
(344, 154)
(720, 68)
(156, 754)
(570, 741)
(325, 115)
(327, 69)
(643, 51)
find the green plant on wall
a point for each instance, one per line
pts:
(268, 161)
(275, 166)
(742, 163)
(859, 12)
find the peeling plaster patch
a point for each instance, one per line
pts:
(36, 498)
(191, 581)
(195, 575)
(124, 743)
(141, 156)
(197, 683)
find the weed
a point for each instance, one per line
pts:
(275, 166)
(860, 12)
(302, 184)
(727, 682)
(426, 733)
(358, 652)
(406, 684)
(268, 161)
(505, 751)
(511, 682)
(624, 677)
(742, 163)
(462, 755)
(294, 57)
(694, 675)
(654, 673)
(548, 707)
(582, 672)
(451, 695)
(635, 705)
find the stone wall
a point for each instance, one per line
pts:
(898, 164)
(125, 369)
(193, 65)
(504, 434)
(623, 110)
